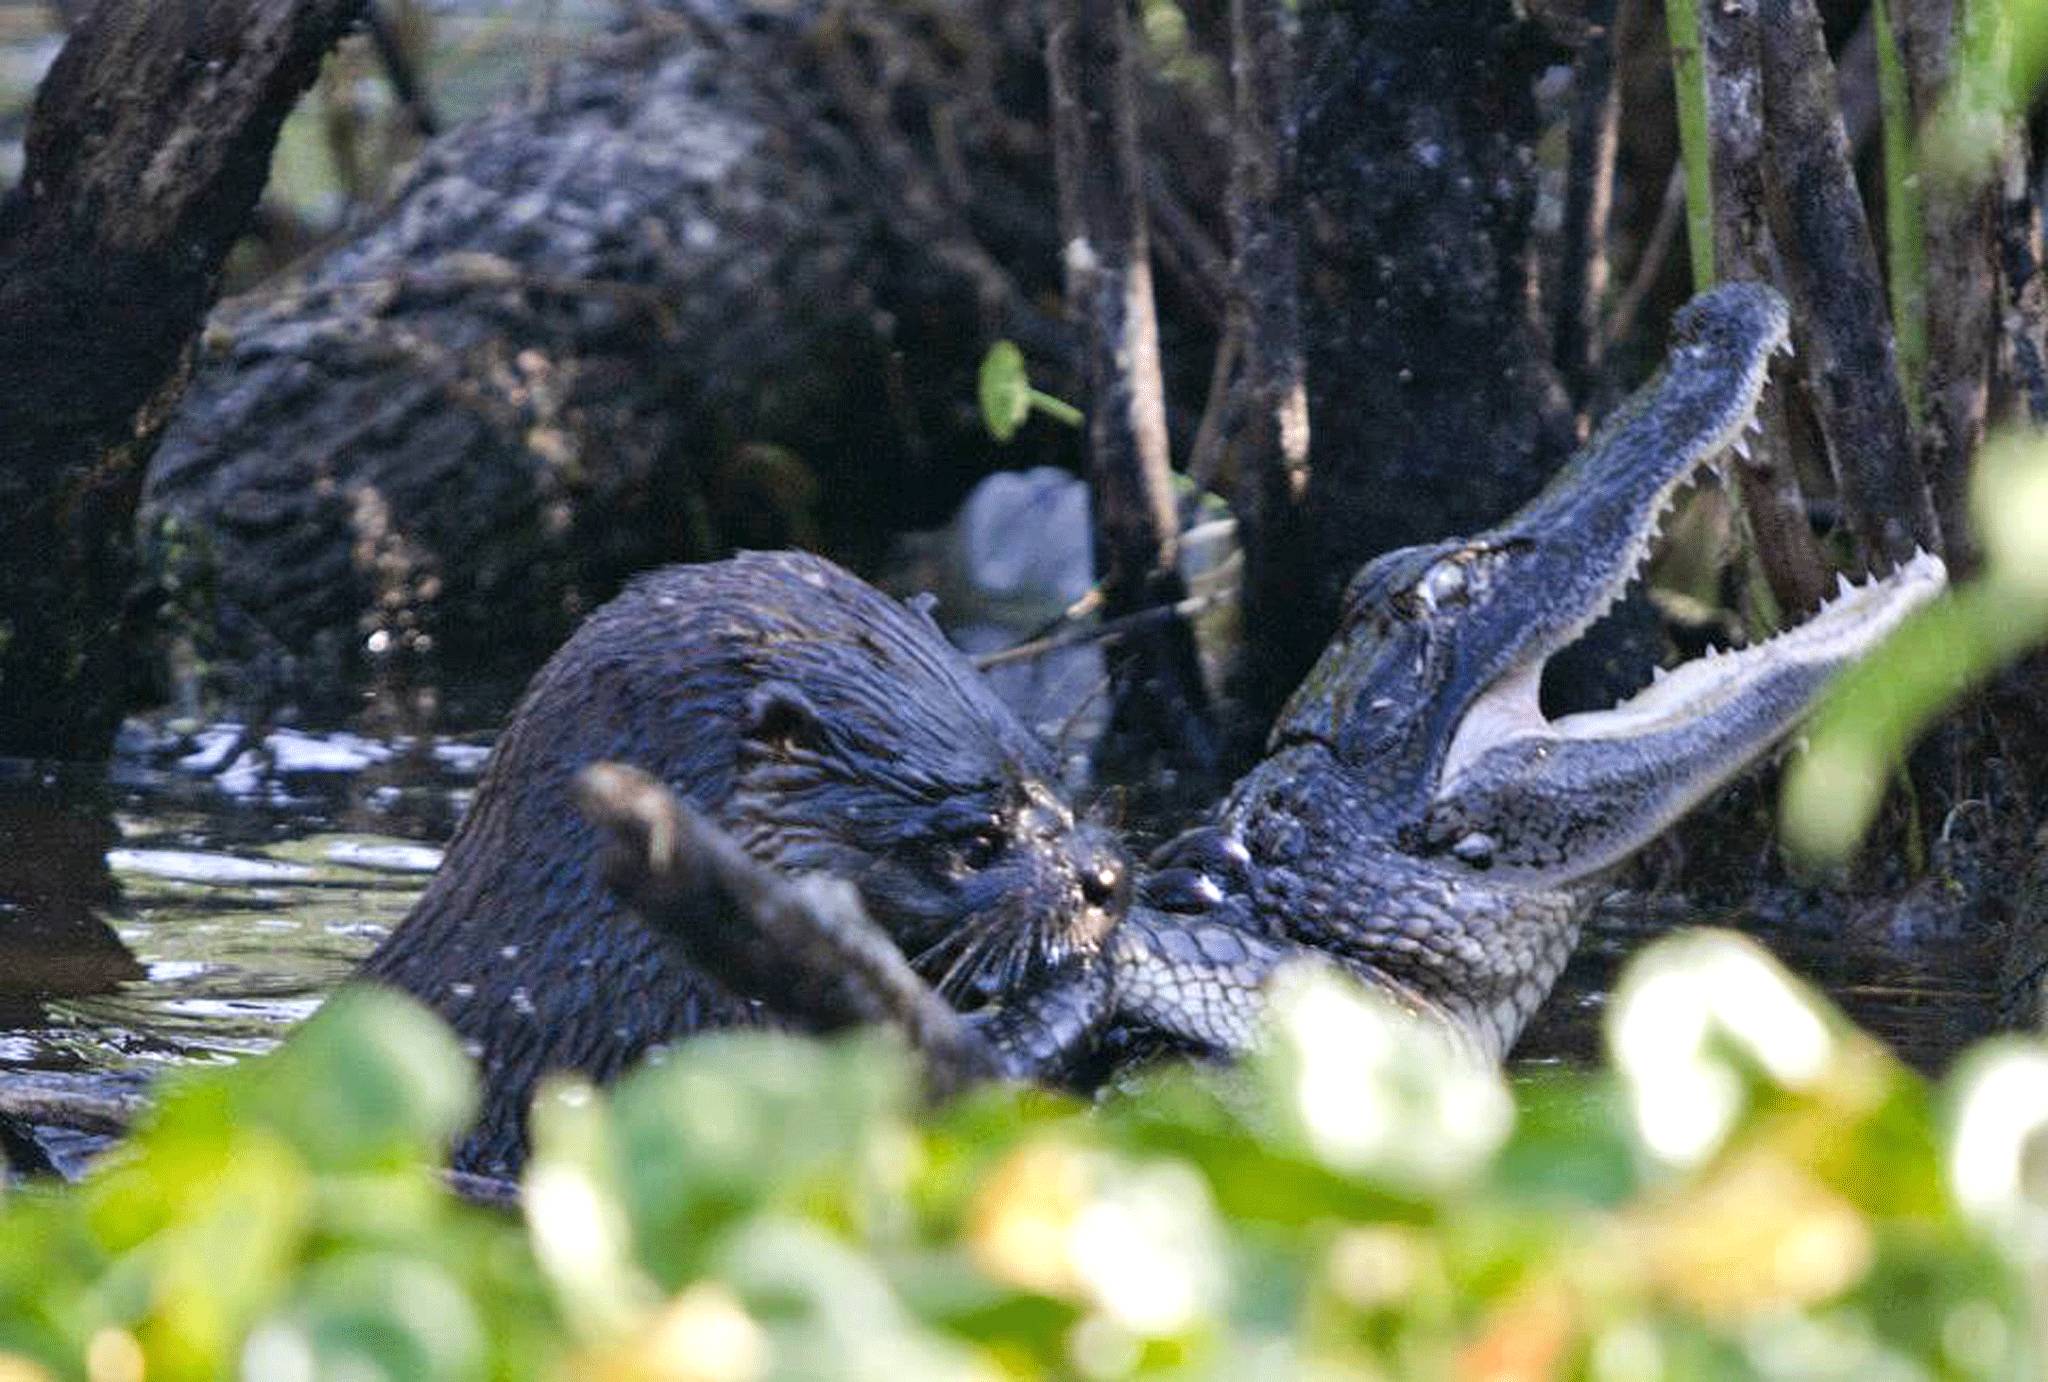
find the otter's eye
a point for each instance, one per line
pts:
(980, 848)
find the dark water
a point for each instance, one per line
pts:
(204, 897)
(1928, 991)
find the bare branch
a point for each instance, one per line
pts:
(1589, 199)
(1159, 699)
(399, 71)
(804, 947)
(1831, 267)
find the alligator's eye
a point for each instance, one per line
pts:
(1445, 584)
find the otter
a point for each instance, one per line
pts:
(824, 725)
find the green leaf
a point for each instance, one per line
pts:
(576, 1220)
(736, 1123)
(1005, 390)
(830, 1310)
(1570, 1143)
(1998, 1140)
(1375, 1092)
(372, 1317)
(371, 1077)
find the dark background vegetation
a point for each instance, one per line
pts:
(349, 353)
(539, 297)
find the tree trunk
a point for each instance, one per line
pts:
(1434, 405)
(1962, 259)
(1266, 299)
(148, 145)
(1831, 267)
(1768, 477)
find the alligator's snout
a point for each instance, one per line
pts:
(1558, 801)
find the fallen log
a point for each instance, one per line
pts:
(720, 285)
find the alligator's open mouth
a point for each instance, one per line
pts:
(1586, 539)
(1843, 629)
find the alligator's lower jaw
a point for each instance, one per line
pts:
(1792, 664)
(1840, 632)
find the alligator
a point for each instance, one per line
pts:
(1416, 818)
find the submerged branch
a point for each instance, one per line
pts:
(63, 1101)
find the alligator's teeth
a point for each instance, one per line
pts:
(1843, 585)
(1742, 447)
(1754, 426)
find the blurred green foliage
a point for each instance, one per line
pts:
(1756, 1190)
(2004, 63)
(1869, 719)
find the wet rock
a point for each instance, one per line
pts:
(1014, 559)
(1018, 556)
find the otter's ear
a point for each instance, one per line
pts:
(781, 718)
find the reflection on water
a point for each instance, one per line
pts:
(55, 891)
(1922, 978)
(207, 893)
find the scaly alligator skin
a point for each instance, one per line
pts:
(1416, 818)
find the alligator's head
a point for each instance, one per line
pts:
(1420, 817)
(1430, 689)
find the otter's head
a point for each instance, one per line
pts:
(878, 753)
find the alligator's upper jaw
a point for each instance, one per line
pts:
(1565, 800)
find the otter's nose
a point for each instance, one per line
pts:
(1104, 873)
